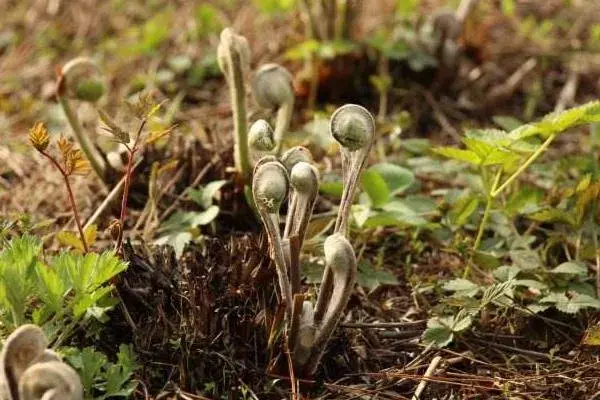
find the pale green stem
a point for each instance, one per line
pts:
(96, 161)
(523, 167)
(485, 218)
(240, 123)
(282, 124)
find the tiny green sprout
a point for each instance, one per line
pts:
(295, 155)
(272, 88)
(260, 136)
(28, 370)
(81, 79)
(233, 55)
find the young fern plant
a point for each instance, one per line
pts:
(233, 55)
(272, 88)
(81, 79)
(308, 327)
(29, 370)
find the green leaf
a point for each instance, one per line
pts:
(203, 196)
(70, 239)
(396, 177)
(571, 305)
(506, 272)
(462, 287)
(507, 122)
(178, 240)
(458, 154)
(439, 331)
(375, 187)
(572, 268)
(463, 209)
(553, 215)
(18, 262)
(526, 259)
(371, 278)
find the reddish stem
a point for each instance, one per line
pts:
(128, 177)
(71, 198)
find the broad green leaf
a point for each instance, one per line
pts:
(396, 177)
(439, 331)
(530, 283)
(462, 287)
(571, 267)
(375, 187)
(506, 272)
(526, 259)
(507, 122)
(553, 215)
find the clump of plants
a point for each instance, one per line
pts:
(308, 327)
(65, 295)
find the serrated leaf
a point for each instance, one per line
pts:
(70, 239)
(571, 267)
(507, 122)
(458, 154)
(530, 283)
(371, 278)
(438, 333)
(506, 272)
(462, 287)
(526, 259)
(552, 215)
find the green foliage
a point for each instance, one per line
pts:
(323, 50)
(274, 6)
(182, 226)
(61, 295)
(100, 378)
(379, 204)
